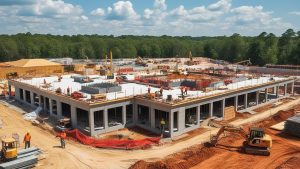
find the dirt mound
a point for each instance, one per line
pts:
(278, 117)
(186, 159)
(291, 163)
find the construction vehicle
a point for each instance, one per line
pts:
(257, 142)
(190, 62)
(110, 73)
(9, 149)
(139, 61)
(11, 158)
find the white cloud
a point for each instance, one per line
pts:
(98, 12)
(148, 13)
(222, 5)
(121, 10)
(295, 13)
(160, 4)
(197, 14)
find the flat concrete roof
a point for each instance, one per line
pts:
(131, 89)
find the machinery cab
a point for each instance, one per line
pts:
(9, 148)
(258, 138)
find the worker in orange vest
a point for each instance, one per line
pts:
(63, 136)
(27, 139)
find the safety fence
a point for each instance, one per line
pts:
(116, 144)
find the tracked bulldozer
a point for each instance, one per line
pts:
(257, 141)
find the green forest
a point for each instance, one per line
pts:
(266, 48)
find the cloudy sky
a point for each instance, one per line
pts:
(149, 17)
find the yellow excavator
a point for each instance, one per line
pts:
(257, 141)
(9, 149)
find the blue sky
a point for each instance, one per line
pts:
(149, 17)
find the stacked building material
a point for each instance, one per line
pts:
(292, 125)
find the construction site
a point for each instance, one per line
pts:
(191, 112)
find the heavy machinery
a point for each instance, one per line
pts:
(257, 142)
(110, 74)
(139, 61)
(11, 158)
(9, 149)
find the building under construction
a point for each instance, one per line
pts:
(97, 104)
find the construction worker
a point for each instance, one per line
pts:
(185, 90)
(149, 89)
(63, 136)
(68, 91)
(161, 91)
(27, 139)
(162, 126)
(181, 89)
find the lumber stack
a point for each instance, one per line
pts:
(292, 126)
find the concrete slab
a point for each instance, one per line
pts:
(279, 126)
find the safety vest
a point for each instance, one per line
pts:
(27, 137)
(63, 135)
(162, 122)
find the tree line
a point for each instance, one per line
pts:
(266, 48)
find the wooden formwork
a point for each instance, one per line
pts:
(229, 113)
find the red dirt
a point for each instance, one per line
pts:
(285, 152)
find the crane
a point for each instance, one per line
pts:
(257, 142)
(110, 74)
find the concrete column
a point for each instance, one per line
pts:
(50, 107)
(223, 107)
(246, 100)
(24, 95)
(17, 93)
(266, 94)
(257, 97)
(171, 120)
(59, 110)
(211, 109)
(9, 90)
(135, 114)
(152, 118)
(198, 115)
(124, 114)
(105, 119)
(91, 122)
(236, 102)
(74, 116)
(45, 108)
(40, 101)
(285, 90)
(181, 119)
(32, 99)
(292, 89)
(277, 91)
